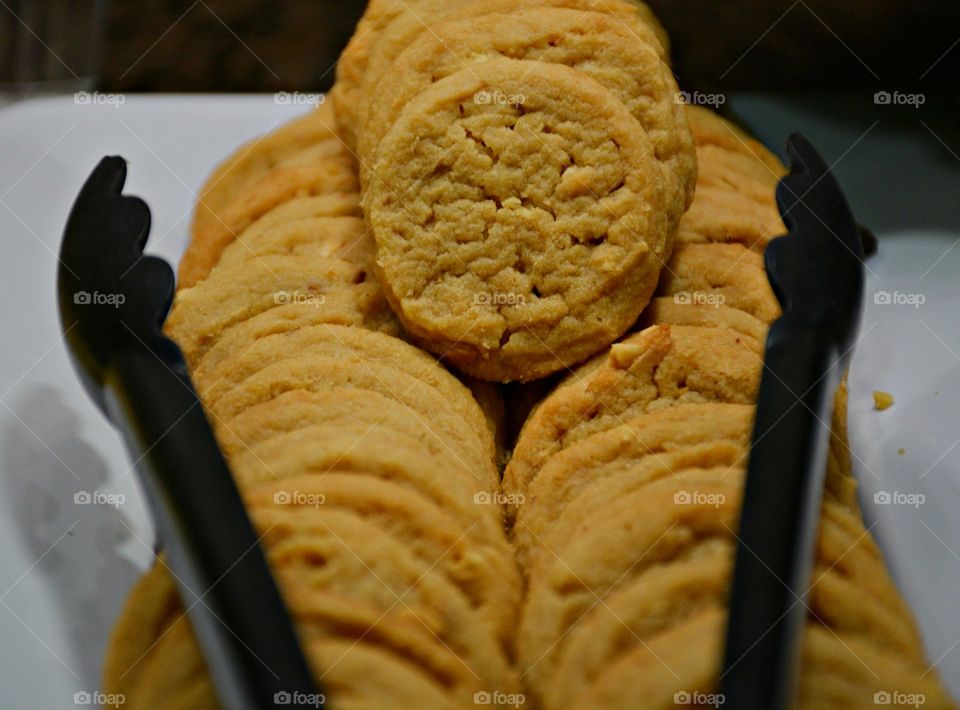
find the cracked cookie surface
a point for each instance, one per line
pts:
(518, 211)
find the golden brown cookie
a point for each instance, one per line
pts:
(695, 310)
(336, 204)
(322, 448)
(659, 599)
(621, 57)
(261, 351)
(340, 553)
(720, 274)
(659, 367)
(611, 549)
(709, 128)
(472, 445)
(483, 572)
(329, 237)
(734, 201)
(235, 294)
(361, 305)
(252, 160)
(685, 436)
(324, 168)
(387, 28)
(514, 239)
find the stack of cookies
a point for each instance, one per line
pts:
(513, 186)
(369, 470)
(627, 478)
(524, 167)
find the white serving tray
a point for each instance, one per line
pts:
(65, 568)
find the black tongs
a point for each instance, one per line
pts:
(817, 274)
(113, 301)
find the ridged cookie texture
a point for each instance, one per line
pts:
(370, 471)
(387, 28)
(324, 167)
(623, 58)
(517, 238)
(627, 481)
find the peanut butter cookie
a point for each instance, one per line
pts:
(659, 367)
(324, 168)
(514, 239)
(254, 159)
(623, 58)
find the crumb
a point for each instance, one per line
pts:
(882, 400)
(901, 451)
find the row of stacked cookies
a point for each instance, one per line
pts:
(524, 167)
(627, 479)
(368, 469)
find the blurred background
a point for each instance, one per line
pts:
(269, 45)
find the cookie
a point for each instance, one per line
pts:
(844, 670)
(361, 305)
(336, 341)
(252, 160)
(659, 367)
(151, 607)
(346, 448)
(329, 237)
(695, 310)
(722, 216)
(316, 373)
(736, 183)
(690, 650)
(407, 28)
(516, 239)
(320, 614)
(386, 28)
(685, 436)
(709, 128)
(171, 672)
(483, 573)
(638, 613)
(720, 274)
(623, 58)
(337, 552)
(336, 204)
(647, 528)
(324, 168)
(237, 293)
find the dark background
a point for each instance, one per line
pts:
(269, 45)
